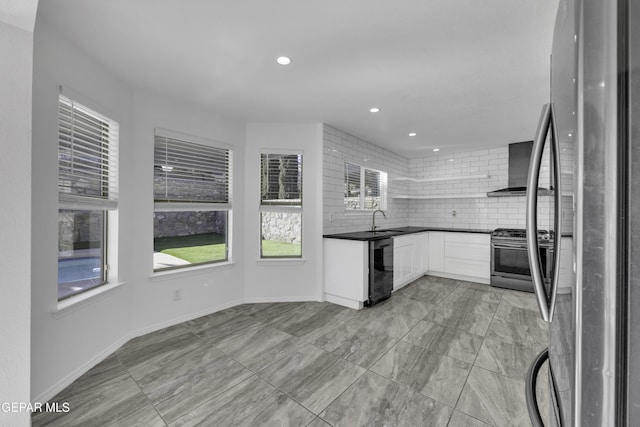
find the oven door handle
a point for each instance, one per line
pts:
(546, 303)
(509, 246)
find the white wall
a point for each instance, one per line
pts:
(203, 290)
(65, 344)
(478, 213)
(340, 147)
(285, 280)
(16, 60)
(481, 213)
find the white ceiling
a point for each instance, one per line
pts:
(463, 74)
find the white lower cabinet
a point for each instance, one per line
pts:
(465, 256)
(410, 258)
(346, 272)
(421, 253)
(403, 265)
(436, 250)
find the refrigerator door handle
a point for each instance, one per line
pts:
(530, 389)
(557, 213)
(546, 303)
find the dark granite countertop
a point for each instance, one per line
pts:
(395, 232)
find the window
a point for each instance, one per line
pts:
(192, 193)
(87, 193)
(364, 189)
(280, 205)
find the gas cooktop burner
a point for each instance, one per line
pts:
(518, 233)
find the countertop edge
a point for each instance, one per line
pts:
(402, 231)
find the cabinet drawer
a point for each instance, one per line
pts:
(470, 238)
(467, 251)
(472, 268)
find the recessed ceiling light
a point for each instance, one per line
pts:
(412, 134)
(436, 149)
(374, 109)
(451, 160)
(283, 60)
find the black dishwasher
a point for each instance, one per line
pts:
(380, 270)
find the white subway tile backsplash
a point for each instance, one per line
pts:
(471, 213)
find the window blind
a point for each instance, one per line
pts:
(364, 189)
(87, 155)
(351, 186)
(372, 189)
(190, 173)
(281, 179)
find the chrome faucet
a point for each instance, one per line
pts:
(373, 219)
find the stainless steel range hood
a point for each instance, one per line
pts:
(519, 156)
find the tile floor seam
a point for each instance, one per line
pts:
(263, 367)
(325, 369)
(403, 306)
(286, 394)
(441, 303)
(471, 416)
(211, 399)
(145, 394)
(219, 392)
(392, 347)
(412, 389)
(337, 397)
(475, 359)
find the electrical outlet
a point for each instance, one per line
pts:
(177, 295)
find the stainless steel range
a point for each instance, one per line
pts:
(510, 260)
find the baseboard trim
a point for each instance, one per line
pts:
(56, 388)
(345, 302)
(281, 299)
(458, 277)
(185, 318)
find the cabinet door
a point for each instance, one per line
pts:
(468, 254)
(436, 250)
(346, 269)
(403, 268)
(421, 254)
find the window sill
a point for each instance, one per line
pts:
(188, 271)
(280, 261)
(71, 304)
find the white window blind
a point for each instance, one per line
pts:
(364, 189)
(281, 179)
(87, 156)
(186, 172)
(351, 186)
(372, 189)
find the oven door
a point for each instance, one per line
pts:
(510, 265)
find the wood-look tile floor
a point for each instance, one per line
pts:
(440, 352)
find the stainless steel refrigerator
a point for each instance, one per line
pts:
(591, 127)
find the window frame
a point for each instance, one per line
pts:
(197, 205)
(74, 137)
(383, 187)
(271, 206)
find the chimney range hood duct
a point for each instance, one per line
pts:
(519, 156)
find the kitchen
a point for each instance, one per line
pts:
(431, 182)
